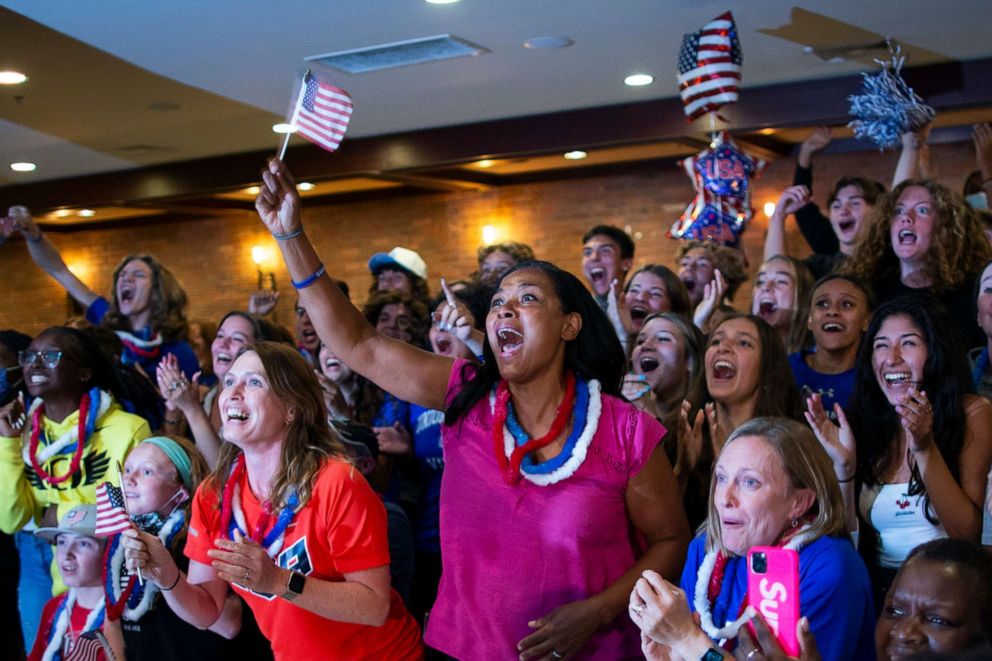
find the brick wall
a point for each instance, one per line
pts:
(212, 257)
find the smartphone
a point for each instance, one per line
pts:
(773, 591)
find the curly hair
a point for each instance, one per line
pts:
(731, 262)
(956, 249)
(520, 252)
(309, 439)
(946, 380)
(418, 286)
(167, 301)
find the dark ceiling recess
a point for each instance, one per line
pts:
(768, 121)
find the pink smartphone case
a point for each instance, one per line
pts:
(775, 594)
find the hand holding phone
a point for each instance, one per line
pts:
(773, 591)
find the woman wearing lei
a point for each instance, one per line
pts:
(556, 494)
(294, 529)
(54, 454)
(147, 306)
(773, 485)
(160, 476)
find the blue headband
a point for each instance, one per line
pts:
(177, 455)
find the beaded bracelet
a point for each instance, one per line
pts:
(289, 235)
(303, 284)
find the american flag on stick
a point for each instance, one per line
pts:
(111, 517)
(710, 67)
(322, 113)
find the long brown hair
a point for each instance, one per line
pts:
(309, 439)
(167, 301)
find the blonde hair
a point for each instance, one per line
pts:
(804, 462)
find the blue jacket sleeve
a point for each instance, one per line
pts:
(97, 310)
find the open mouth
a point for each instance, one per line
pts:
(126, 295)
(38, 378)
(638, 313)
(724, 370)
(898, 379)
(767, 308)
(236, 414)
(907, 237)
(509, 339)
(332, 363)
(832, 327)
(223, 358)
(442, 345)
(846, 225)
(597, 274)
(310, 335)
(689, 283)
(648, 364)
(68, 567)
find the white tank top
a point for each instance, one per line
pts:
(901, 524)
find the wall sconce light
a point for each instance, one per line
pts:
(769, 209)
(489, 235)
(266, 279)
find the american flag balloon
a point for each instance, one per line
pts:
(710, 63)
(721, 175)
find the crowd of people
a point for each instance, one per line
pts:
(524, 465)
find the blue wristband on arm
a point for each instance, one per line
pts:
(306, 282)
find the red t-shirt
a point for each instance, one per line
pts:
(341, 529)
(77, 622)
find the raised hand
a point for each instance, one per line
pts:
(19, 219)
(982, 137)
(278, 202)
(916, 417)
(814, 142)
(454, 317)
(838, 441)
(616, 310)
(13, 417)
(394, 440)
(792, 199)
(177, 391)
(712, 298)
(262, 302)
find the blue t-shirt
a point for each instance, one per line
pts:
(831, 387)
(183, 352)
(834, 594)
(428, 451)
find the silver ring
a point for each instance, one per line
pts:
(637, 609)
(751, 653)
(247, 572)
(173, 386)
(555, 654)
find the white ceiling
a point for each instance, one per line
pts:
(249, 51)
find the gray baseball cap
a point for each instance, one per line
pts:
(80, 520)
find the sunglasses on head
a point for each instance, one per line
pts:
(49, 358)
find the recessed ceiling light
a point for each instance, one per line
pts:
(485, 163)
(253, 190)
(548, 42)
(23, 167)
(440, 2)
(87, 213)
(638, 79)
(305, 185)
(12, 77)
(576, 155)
(283, 127)
(63, 213)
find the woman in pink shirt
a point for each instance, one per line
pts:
(556, 494)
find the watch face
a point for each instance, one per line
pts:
(296, 583)
(712, 654)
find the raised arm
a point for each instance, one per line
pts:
(17, 502)
(409, 373)
(912, 156)
(792, 199)
(47, 257)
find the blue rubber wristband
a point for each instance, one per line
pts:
(290, 235)
(303, 284)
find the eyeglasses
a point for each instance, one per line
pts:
(49, 358)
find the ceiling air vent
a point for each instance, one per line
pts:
(398, 54)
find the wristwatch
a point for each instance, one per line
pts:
(294, 586)
(712, 654)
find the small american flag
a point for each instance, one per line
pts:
(710, 66)
(88, 647)
(322, 113)
(111, 516)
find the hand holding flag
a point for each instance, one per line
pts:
(111, 515)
